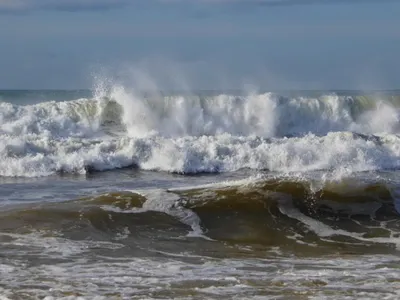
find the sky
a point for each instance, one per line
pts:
(201, 44)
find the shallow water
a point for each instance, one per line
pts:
(115, 235)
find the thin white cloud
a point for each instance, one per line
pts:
(69, 5)
(77, 5)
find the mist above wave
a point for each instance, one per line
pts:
(263, 115)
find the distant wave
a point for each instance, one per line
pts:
(191, 134)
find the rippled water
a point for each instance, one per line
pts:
(259, 237)
(118, 195)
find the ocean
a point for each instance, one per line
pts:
(117, 193)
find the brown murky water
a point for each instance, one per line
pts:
(257, 238)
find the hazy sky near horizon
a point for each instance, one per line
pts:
(201, 44)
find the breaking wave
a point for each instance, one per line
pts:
(282, 212)
(192, 133)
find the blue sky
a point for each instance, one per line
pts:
(271, 44)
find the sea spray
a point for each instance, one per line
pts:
(192, 133)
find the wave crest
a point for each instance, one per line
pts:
(191, 134)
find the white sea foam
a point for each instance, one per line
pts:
(372, 277)
(191, 134)
(322, 230)
(339, 151)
